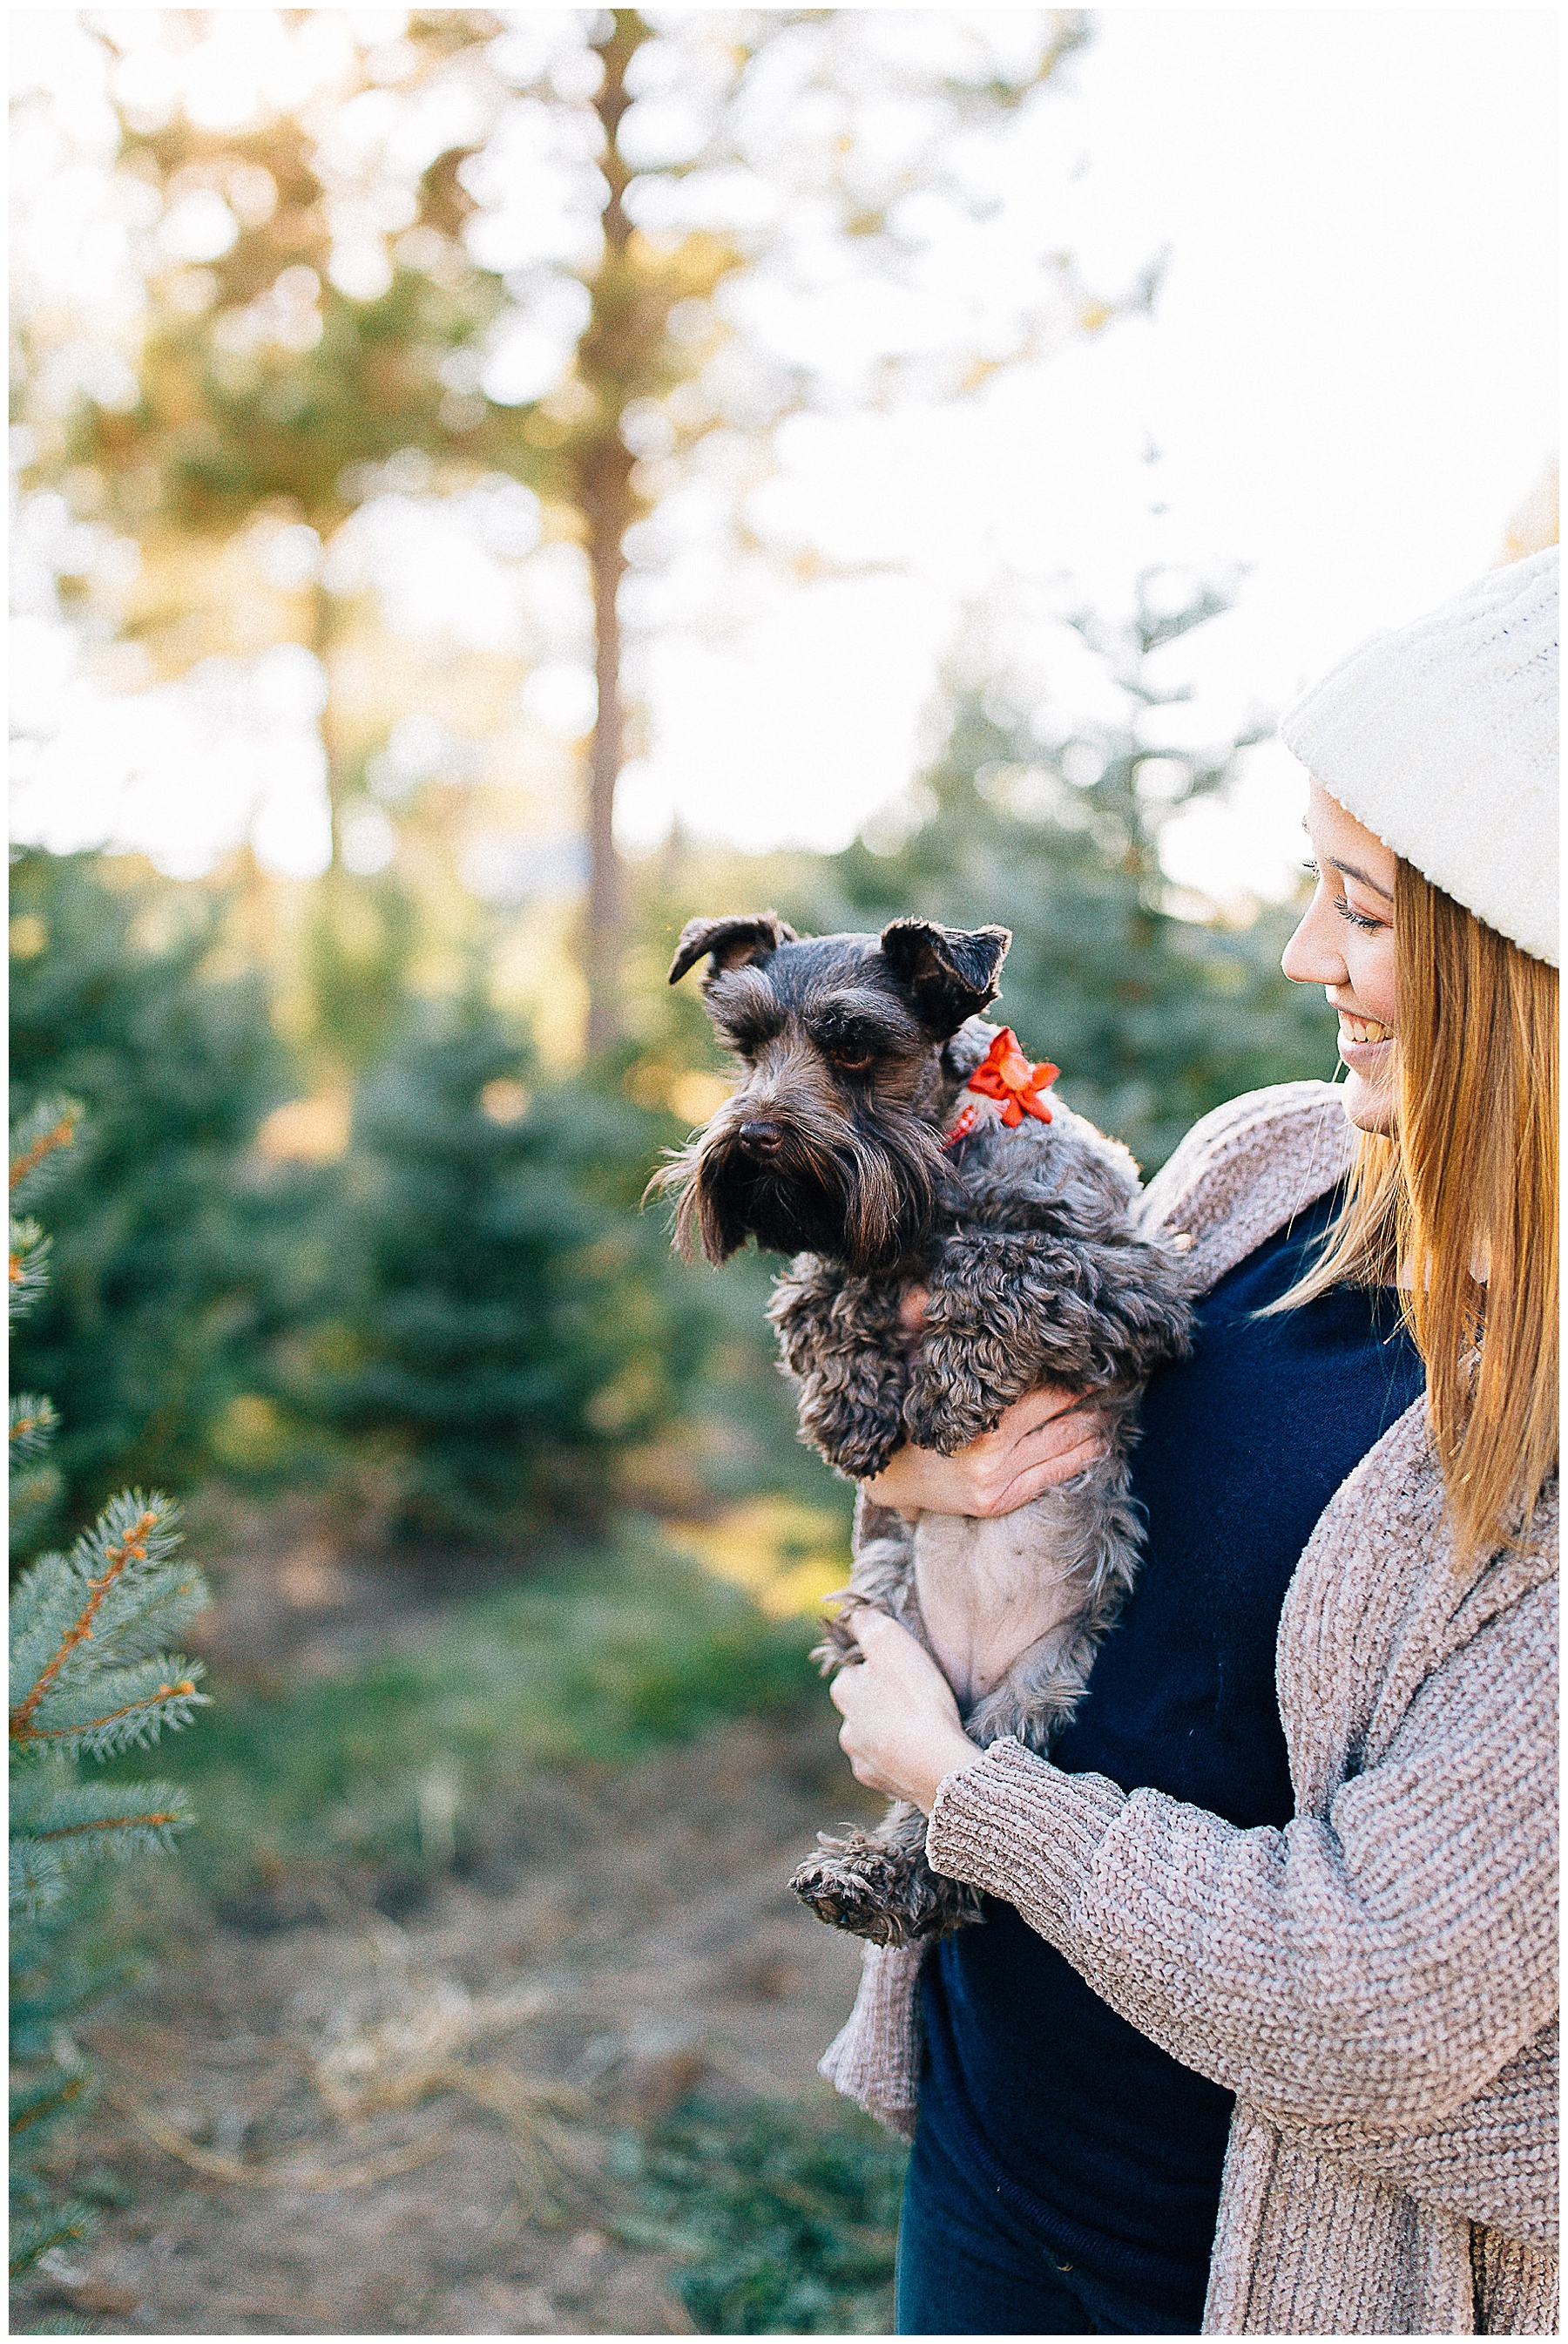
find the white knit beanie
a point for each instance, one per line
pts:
(1442, 738)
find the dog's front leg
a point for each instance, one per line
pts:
(878, 1885)
(1008, 1311)
(843, 1344)
(992, 1324)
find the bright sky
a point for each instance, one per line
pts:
(1350, 381)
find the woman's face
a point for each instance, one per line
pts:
(1345, 943)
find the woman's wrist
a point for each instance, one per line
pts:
(950, 1752)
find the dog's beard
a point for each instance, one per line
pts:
(866, 1201)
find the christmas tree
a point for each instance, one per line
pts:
(92, 1676)
(511, 1322)
(173, 1265)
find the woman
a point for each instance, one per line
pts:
(1259, 2029)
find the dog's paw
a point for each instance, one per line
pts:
(853, 1447)
(940, 1420)
(877, 1894)
(839, 1896)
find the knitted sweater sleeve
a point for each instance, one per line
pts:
(1378, 1966)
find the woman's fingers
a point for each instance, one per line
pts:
(1037, 1407)
(1036, 1480)
(1047, 1436)
(1037, 1461)
(1048, 1415)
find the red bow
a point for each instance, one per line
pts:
(1008, 1088)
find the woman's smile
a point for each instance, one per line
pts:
(1365, 1043)
(1345, 943)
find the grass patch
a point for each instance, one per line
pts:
(593, 1664)
(783, 2220)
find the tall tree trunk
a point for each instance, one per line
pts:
(607, 510)
(323, 629)
(607, 363)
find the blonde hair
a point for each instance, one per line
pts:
(1459, 1208)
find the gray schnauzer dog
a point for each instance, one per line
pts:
(886, 1137)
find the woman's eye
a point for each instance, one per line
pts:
(1342, 905)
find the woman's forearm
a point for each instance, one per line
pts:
(1380, 1965)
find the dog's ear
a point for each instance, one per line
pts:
(740, 936)
(950, 972)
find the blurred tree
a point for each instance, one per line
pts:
(287, 355)
(600, 253)
(171, 1267)
(1154, 1016)
(510, 1324)
(91, 1677)
(752, 166)
(306, 304)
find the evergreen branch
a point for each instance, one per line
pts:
(29, 1268)
(38, 1878)
(150, 1702)
(51, 1125)
(58, 1823)
(33, 1496)
(56, 1982)
(33, 1423)
(41, 2103)
(140, 1617)
(158, 1824)
(57, 2225)
(117, 1544)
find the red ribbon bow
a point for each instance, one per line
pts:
(1008, 1088)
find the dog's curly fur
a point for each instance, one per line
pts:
(856, 1050)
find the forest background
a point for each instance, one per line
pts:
(353, 1256)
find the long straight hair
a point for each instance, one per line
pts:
(1458, 1208)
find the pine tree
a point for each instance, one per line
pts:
(92, 1677)
(172, 1267)
(512, 1322)
(1052, 827)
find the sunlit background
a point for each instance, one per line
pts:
(1307, 342)
(489, 485)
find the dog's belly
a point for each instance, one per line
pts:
(989, 1590)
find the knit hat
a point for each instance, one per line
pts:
(1442, 738)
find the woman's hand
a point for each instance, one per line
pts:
(900, 1733)
(1042, 1439)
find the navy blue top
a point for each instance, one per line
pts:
(1106, 2146)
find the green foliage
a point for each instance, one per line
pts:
(170, 1263)
(596, 1663)
(37, 1144)
(91, 1676)
(89, 1633)
(1053, 828)
(785, 2221)
(275, 384)
(359, 940)
(512, 1323)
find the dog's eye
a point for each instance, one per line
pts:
(851, 1060)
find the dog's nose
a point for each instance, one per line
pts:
(762, 1138)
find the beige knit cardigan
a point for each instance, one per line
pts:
(1376, 1982)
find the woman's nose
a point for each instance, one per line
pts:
(1313, 954)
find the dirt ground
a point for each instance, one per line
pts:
(358, 2125)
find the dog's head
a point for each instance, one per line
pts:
(830, 1143)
